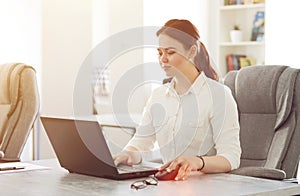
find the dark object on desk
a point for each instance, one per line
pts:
(140, 184)
(10, 168)
(19, 105)
(81, 148)
(165, 175)
(268, 101)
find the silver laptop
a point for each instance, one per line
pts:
(81, 148)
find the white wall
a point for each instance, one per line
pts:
(66, 41)
(113, 17)
(71, 28)
(282, 33)
(20, 32)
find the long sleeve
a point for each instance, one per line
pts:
(226, 127)
(144, 138)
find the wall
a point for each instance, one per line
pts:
(66, 41)
(70, 31)
(113, 19)
(282, 33)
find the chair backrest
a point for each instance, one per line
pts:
(268, 99)
(19, 105)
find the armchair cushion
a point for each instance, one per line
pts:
(260, 172)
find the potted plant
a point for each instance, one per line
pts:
(236, 35)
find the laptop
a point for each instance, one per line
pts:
(80, 147)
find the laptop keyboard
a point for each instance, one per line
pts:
(134, 168)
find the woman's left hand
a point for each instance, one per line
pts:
(185, 164)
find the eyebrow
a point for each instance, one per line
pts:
(172, 48)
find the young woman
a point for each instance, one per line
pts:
(193, 118)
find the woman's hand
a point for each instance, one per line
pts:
(130, 156)
(185, 164)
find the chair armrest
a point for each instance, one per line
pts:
(260, 172)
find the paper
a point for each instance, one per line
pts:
(14, 167)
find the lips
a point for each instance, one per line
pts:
(164, 66)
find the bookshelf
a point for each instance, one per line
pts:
(242, 15)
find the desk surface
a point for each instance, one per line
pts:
(57, 181)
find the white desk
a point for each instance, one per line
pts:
(58, 181)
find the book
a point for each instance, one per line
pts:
(258, 29)
(246, 61)
(238, 61)
(230, 2)
(229, 62)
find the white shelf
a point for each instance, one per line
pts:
(240, 7)
(243, 16)
(246, 43)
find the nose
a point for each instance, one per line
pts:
(163, 58)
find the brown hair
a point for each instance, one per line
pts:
(187, 34)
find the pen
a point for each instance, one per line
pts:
(11, 168)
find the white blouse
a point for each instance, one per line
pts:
(203, 121)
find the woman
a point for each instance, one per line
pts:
(193, 118)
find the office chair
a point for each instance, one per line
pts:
(268, 99)
(19, 105)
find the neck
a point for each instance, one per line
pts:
(184, 81)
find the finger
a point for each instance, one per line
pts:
(187, 173)
(129, 160)
(165, 166)
(174, 164)
(120, 159)
(181, 172)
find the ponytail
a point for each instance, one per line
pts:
(202, 62)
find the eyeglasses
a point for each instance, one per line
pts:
(151, 180)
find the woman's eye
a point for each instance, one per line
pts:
(171, 52)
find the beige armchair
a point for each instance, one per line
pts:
(268, 99)
(19, 105)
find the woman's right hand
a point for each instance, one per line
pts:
(130, 156)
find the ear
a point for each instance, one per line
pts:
(193, 51)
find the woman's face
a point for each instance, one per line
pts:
(172, 56)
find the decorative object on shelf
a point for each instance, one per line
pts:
(236, 35)
(258, 29)
(102, 82)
